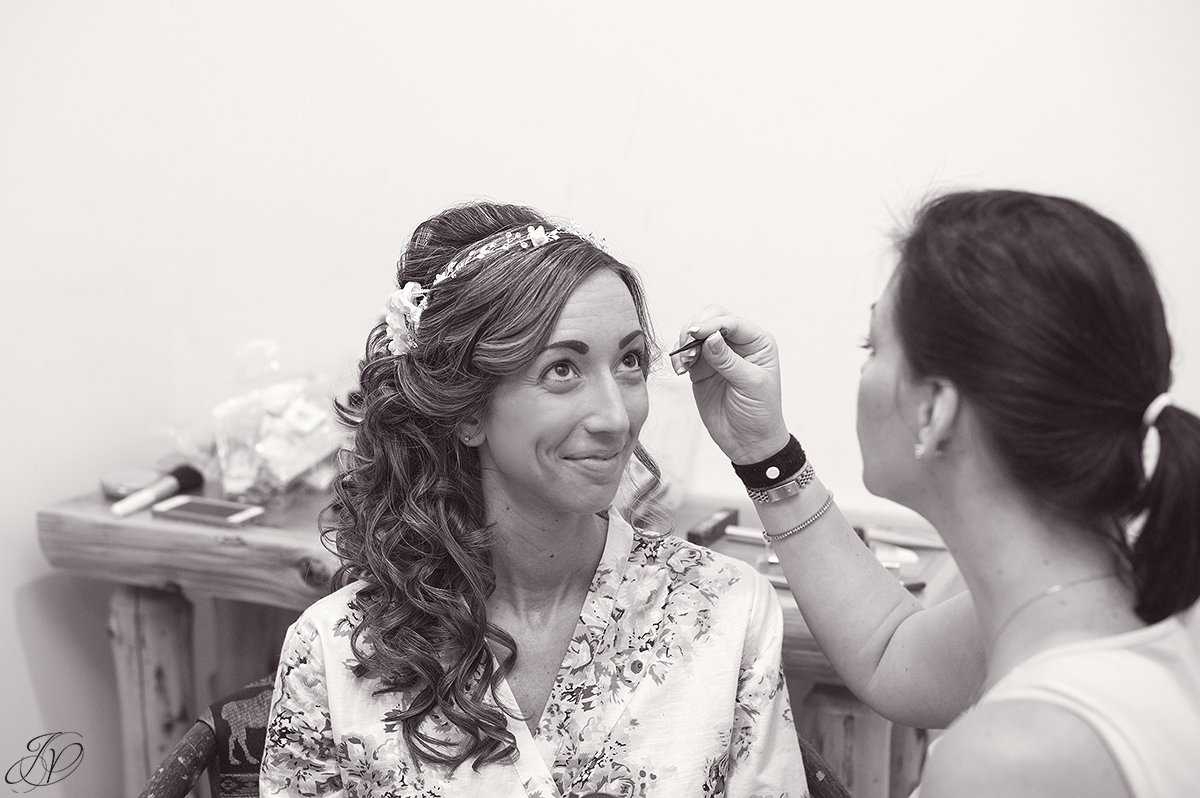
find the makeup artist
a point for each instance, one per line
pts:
(1014, 394)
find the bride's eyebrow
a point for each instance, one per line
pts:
(578, 346)
(582, 348)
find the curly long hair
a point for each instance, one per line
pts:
(408, 516)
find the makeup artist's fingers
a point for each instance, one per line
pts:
(698, 327)
(747, 340)
(703, 323)
(721, 356)
(735, 381)
(739, 331)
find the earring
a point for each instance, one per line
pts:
(919, 451)
(467, 438)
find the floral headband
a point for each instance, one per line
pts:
(405, 305)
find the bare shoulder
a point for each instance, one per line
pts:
(1023, 748)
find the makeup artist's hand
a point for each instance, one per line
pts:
(736, 384)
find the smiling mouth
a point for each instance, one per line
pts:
(595, 458)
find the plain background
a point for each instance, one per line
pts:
(177, 178)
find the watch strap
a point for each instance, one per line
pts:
(767, 473)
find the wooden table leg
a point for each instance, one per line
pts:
(151, 632)
(873, 757)
(908, 758)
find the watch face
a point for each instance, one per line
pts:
(781, 491)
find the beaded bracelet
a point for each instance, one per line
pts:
(803, 525)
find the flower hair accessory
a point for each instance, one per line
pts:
(405, 305)
(403, 315)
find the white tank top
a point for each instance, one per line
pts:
(1139, 690)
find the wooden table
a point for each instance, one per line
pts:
(280, 563)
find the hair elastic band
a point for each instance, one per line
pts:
(1155, 408)
(1151, 441)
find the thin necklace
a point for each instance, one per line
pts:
(1050, 591)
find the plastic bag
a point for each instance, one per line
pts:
(271, 436)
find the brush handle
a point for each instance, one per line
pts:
(690, 345)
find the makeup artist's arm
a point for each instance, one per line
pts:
(915, 666)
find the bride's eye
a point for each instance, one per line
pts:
(562, 370)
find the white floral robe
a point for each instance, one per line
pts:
(671, 688)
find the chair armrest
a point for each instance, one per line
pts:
(181, 768)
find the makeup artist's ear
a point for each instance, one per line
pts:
(470, 432)
(937, 415)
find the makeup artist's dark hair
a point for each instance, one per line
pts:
(1046, 316)
(407, 516)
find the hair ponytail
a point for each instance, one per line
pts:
(1166, 554)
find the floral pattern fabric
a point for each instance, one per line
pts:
(671, 686)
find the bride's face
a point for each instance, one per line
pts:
(558, 437)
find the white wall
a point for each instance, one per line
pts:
(176, 178)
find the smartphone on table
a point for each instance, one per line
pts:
(207, 511)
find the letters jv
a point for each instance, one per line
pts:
(52, 757)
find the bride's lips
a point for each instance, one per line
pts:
(601, 464)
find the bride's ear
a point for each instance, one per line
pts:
(470, 432)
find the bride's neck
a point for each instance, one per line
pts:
(540, 561)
